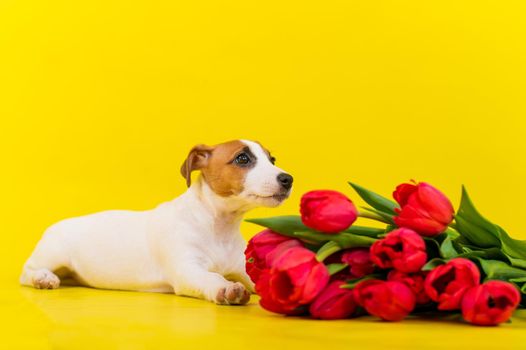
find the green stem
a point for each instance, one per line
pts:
(351, 284)
(344, 239)
(335, 268)
(327, 250)
(372, 216)
(452, 232)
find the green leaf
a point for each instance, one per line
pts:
(292, 226)
(512, 247)
(286, 225)
(347, 240)
(469, 251)
(365, 231)
(466, 249)
(313, 237)
(447, 250)
(377, 215)
(352, 283)
(475, 254)
(517, 262)
(476, 234)
(499, 270)
(468, 211)
(335, 268)
(289, 224)
(518, 279)
(375, 200)
(431, 264)
(452, 233)
(327, 250)
(344, 239)
(472, 225)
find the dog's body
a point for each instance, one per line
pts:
(189, 246)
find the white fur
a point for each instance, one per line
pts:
(190, 246)
(260, 183)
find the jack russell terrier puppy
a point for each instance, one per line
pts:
(189, 246)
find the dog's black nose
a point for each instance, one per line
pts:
(285, 180)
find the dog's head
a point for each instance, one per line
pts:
(243, 169)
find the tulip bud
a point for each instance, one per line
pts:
(402, 249)
(359, 261)
(446, 284)
(415, 281)
(294, 280)
(327, 211)
(259, 247)
(490, 303)
(423, 209)
(391, 301)
(269, 302)
(333, 302)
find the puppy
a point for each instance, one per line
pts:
(188, 246)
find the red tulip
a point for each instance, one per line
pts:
(391, 301)
(294, 280)
(359, 261)
(447, 284)
(327, 211)
(260, 246)
(423, 209)
(402, 249)
(268, 302)
(490, 303)
(415, 281)
(333, 302)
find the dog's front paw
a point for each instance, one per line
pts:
(233, 294)
(45, 279)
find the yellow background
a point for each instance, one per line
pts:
(100, 102)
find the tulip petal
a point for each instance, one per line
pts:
(435, 203)
(327, 211)
(281, 248)
(403, 192)
(333, 302)
(425, 227)
(402, 249)
(293, 257)
(391, 301)
(490, 303)
(317, 280)
(447, 284)
(424, 209)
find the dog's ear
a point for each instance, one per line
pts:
(197, 159)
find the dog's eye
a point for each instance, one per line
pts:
(242, 159)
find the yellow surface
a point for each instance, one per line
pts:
(72, 318)
(101, 100)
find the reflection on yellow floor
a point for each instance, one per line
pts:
(74, 317)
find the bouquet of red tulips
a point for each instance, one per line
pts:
(426, 259)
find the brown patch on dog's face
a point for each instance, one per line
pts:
(219, 167)
(222, 173)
